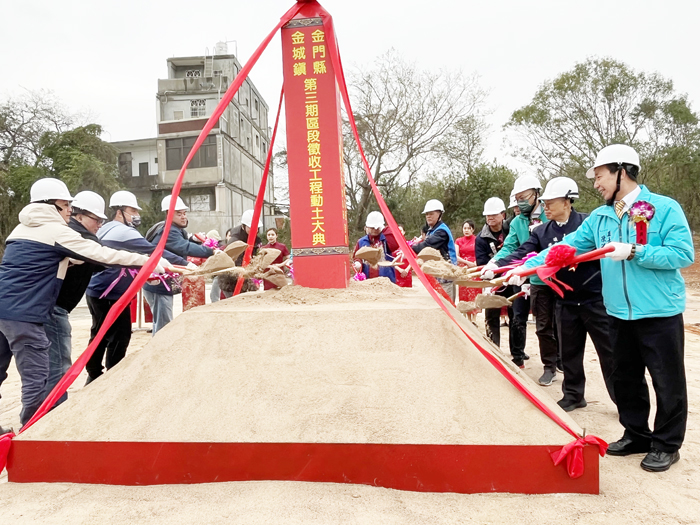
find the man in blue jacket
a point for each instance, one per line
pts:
(108, 286)
(439, 237)
(159, 298)
(644, 293)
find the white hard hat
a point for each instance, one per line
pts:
(247, 219)
(49, 189)
(375, 220)
(433, 205)
(493, 206)
(526, 182)
(179, 205)
(90, 201)
(560, 187)
(513, 202)
(123, 198)
(614, 154)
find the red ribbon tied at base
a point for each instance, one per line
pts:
(573, 453)
(5, 442)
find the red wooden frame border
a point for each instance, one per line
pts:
(422, 468)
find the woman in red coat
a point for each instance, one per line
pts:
(466, 257)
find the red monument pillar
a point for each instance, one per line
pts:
(314, 157)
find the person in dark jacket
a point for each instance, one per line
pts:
(160, 298)
(581, 311)
(33, 267)
(87, 217)
(240, 233)
(439, 237)
(487, 244)
(108, 286)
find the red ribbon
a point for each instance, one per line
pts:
(641, 227)
(308, 9)
(408, 253)
(260, 198)
(573, 454)
(75, 370)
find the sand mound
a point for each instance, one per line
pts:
(373, 363)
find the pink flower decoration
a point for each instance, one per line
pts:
(642, 211)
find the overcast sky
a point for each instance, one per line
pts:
(105, 57)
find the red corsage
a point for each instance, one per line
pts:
(641, 212)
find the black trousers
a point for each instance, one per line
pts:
(115, 342)
(544, 300)
(517, 323)
(574, 321)
(655, 344)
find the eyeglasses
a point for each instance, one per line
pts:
(96, 219)
(548, 203)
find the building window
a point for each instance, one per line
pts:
(193, 73)
(256, 104)
(143, 169)
(176, 151)
(198, 108)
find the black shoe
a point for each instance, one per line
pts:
(657, 461)
(547, 378)
(519, 363)
(5, 431)
(526, 357)
(627, 446)
(568, 406)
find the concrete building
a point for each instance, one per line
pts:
(223, 178)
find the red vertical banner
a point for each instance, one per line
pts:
(314, 157)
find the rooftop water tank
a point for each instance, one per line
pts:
(221, 48)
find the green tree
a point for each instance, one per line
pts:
(601, 102)
(37, 139)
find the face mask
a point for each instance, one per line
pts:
(135, 221)
(525, 207)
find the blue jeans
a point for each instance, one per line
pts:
(162, 308)
(30, 347)
(58, 330)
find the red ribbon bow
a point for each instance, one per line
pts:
(5, 442)
(573, 453)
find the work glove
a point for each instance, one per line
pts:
(191, 266)
(513, 278)
(525, 288)
(163, 265)
(358, 266)
(487, 272)
(622, 251)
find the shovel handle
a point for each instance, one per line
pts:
(182, 270)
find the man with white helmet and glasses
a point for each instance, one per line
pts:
(160, 298)
(644, 294)
(580, 311)
(489, 241)
(440, 238)
(36, 258)
(375, 238)
(108, 286)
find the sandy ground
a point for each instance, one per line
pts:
(628, 494)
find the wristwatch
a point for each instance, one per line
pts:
(632, 252)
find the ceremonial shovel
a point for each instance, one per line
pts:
(496, 301)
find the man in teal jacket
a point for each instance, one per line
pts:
(644, 293)
(526, 191)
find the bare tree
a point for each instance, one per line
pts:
(407, 120)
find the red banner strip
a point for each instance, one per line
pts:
(466, 469)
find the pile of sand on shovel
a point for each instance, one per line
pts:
(373, 363)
